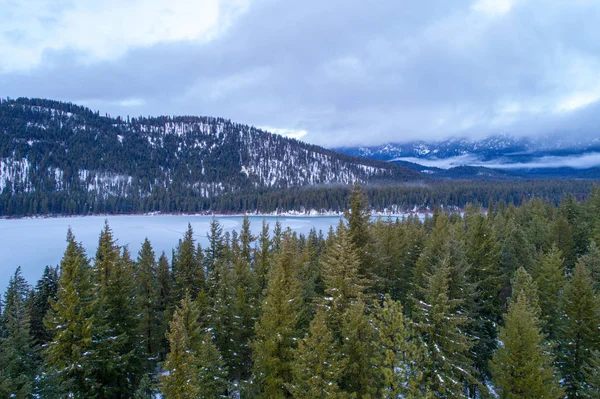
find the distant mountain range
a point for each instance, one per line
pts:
(494, 157)
(61, 158)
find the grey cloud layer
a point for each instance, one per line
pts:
(355, 72)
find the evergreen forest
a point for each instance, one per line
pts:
(502, 302)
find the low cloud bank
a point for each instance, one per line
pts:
(584, 161)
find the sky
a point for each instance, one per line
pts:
(329, 72)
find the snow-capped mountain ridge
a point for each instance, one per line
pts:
(484, 149)
(49, 146)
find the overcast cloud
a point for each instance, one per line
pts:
(334, 72)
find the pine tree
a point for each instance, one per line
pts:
(276, 331)
(483, 256)
(216, 247)
(212, 371)
(263, 259)
(222, 297)
(408, 247)
(18, 365)
(592, 261)
(444, 245)
(359, 347)
(590, 387)
(144, 389)
(164, 304)
(45, 290)
(147, 287)
(310, 276)
(387, 267)
(193, 357)
(594, 212)
(107, 255)
(318, 365)
(358, 219)
(563, 237)
(343, 282)
(521, 367)
(277, 237)
(550, 279)
(117, 364)
(188, 272)
(245, 311)
(70, 352)
(442, 325)
(400, 352)
(524, 285)
(578, 330)
(516, 251)
(246, 241)
(181, 380)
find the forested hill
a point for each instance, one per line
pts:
(62, 158)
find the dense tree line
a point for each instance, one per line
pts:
(475, 304)
(392, 198)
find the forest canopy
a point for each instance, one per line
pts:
(468, 304)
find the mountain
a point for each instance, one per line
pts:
(496, 156)
(487, 148)
(459, 172)
(53, 151)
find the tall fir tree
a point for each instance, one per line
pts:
(592, 261)
(438, 318)
(276, 330)
(117, 365)
(193, 355)
(212, 371)
(516, 251)
(147, 296)
(45, 290)
(144, 389)
(165, 302)
(359, 346)
(310, 275)
(263, 259)
(216, 246)
(444, 245)
(318, 364)
(578, 330)
(409, 243)
(277, 239)
(181, 380)
(107, 256)
(483, 255)
(358, 218)
(590, 387)
(246, 241)
(244, 308)
(70, 353)
(521, 366)
(387, 268)
(188, 271)
(18, 360)
(221, 314)
(550, 279)
(344, 284)
(401, 352)
(522, 284)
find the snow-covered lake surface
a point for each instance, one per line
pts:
(35, 243)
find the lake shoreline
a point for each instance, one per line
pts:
(311, 213)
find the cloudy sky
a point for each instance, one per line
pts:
(333, 72)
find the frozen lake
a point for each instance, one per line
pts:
(35, 243)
